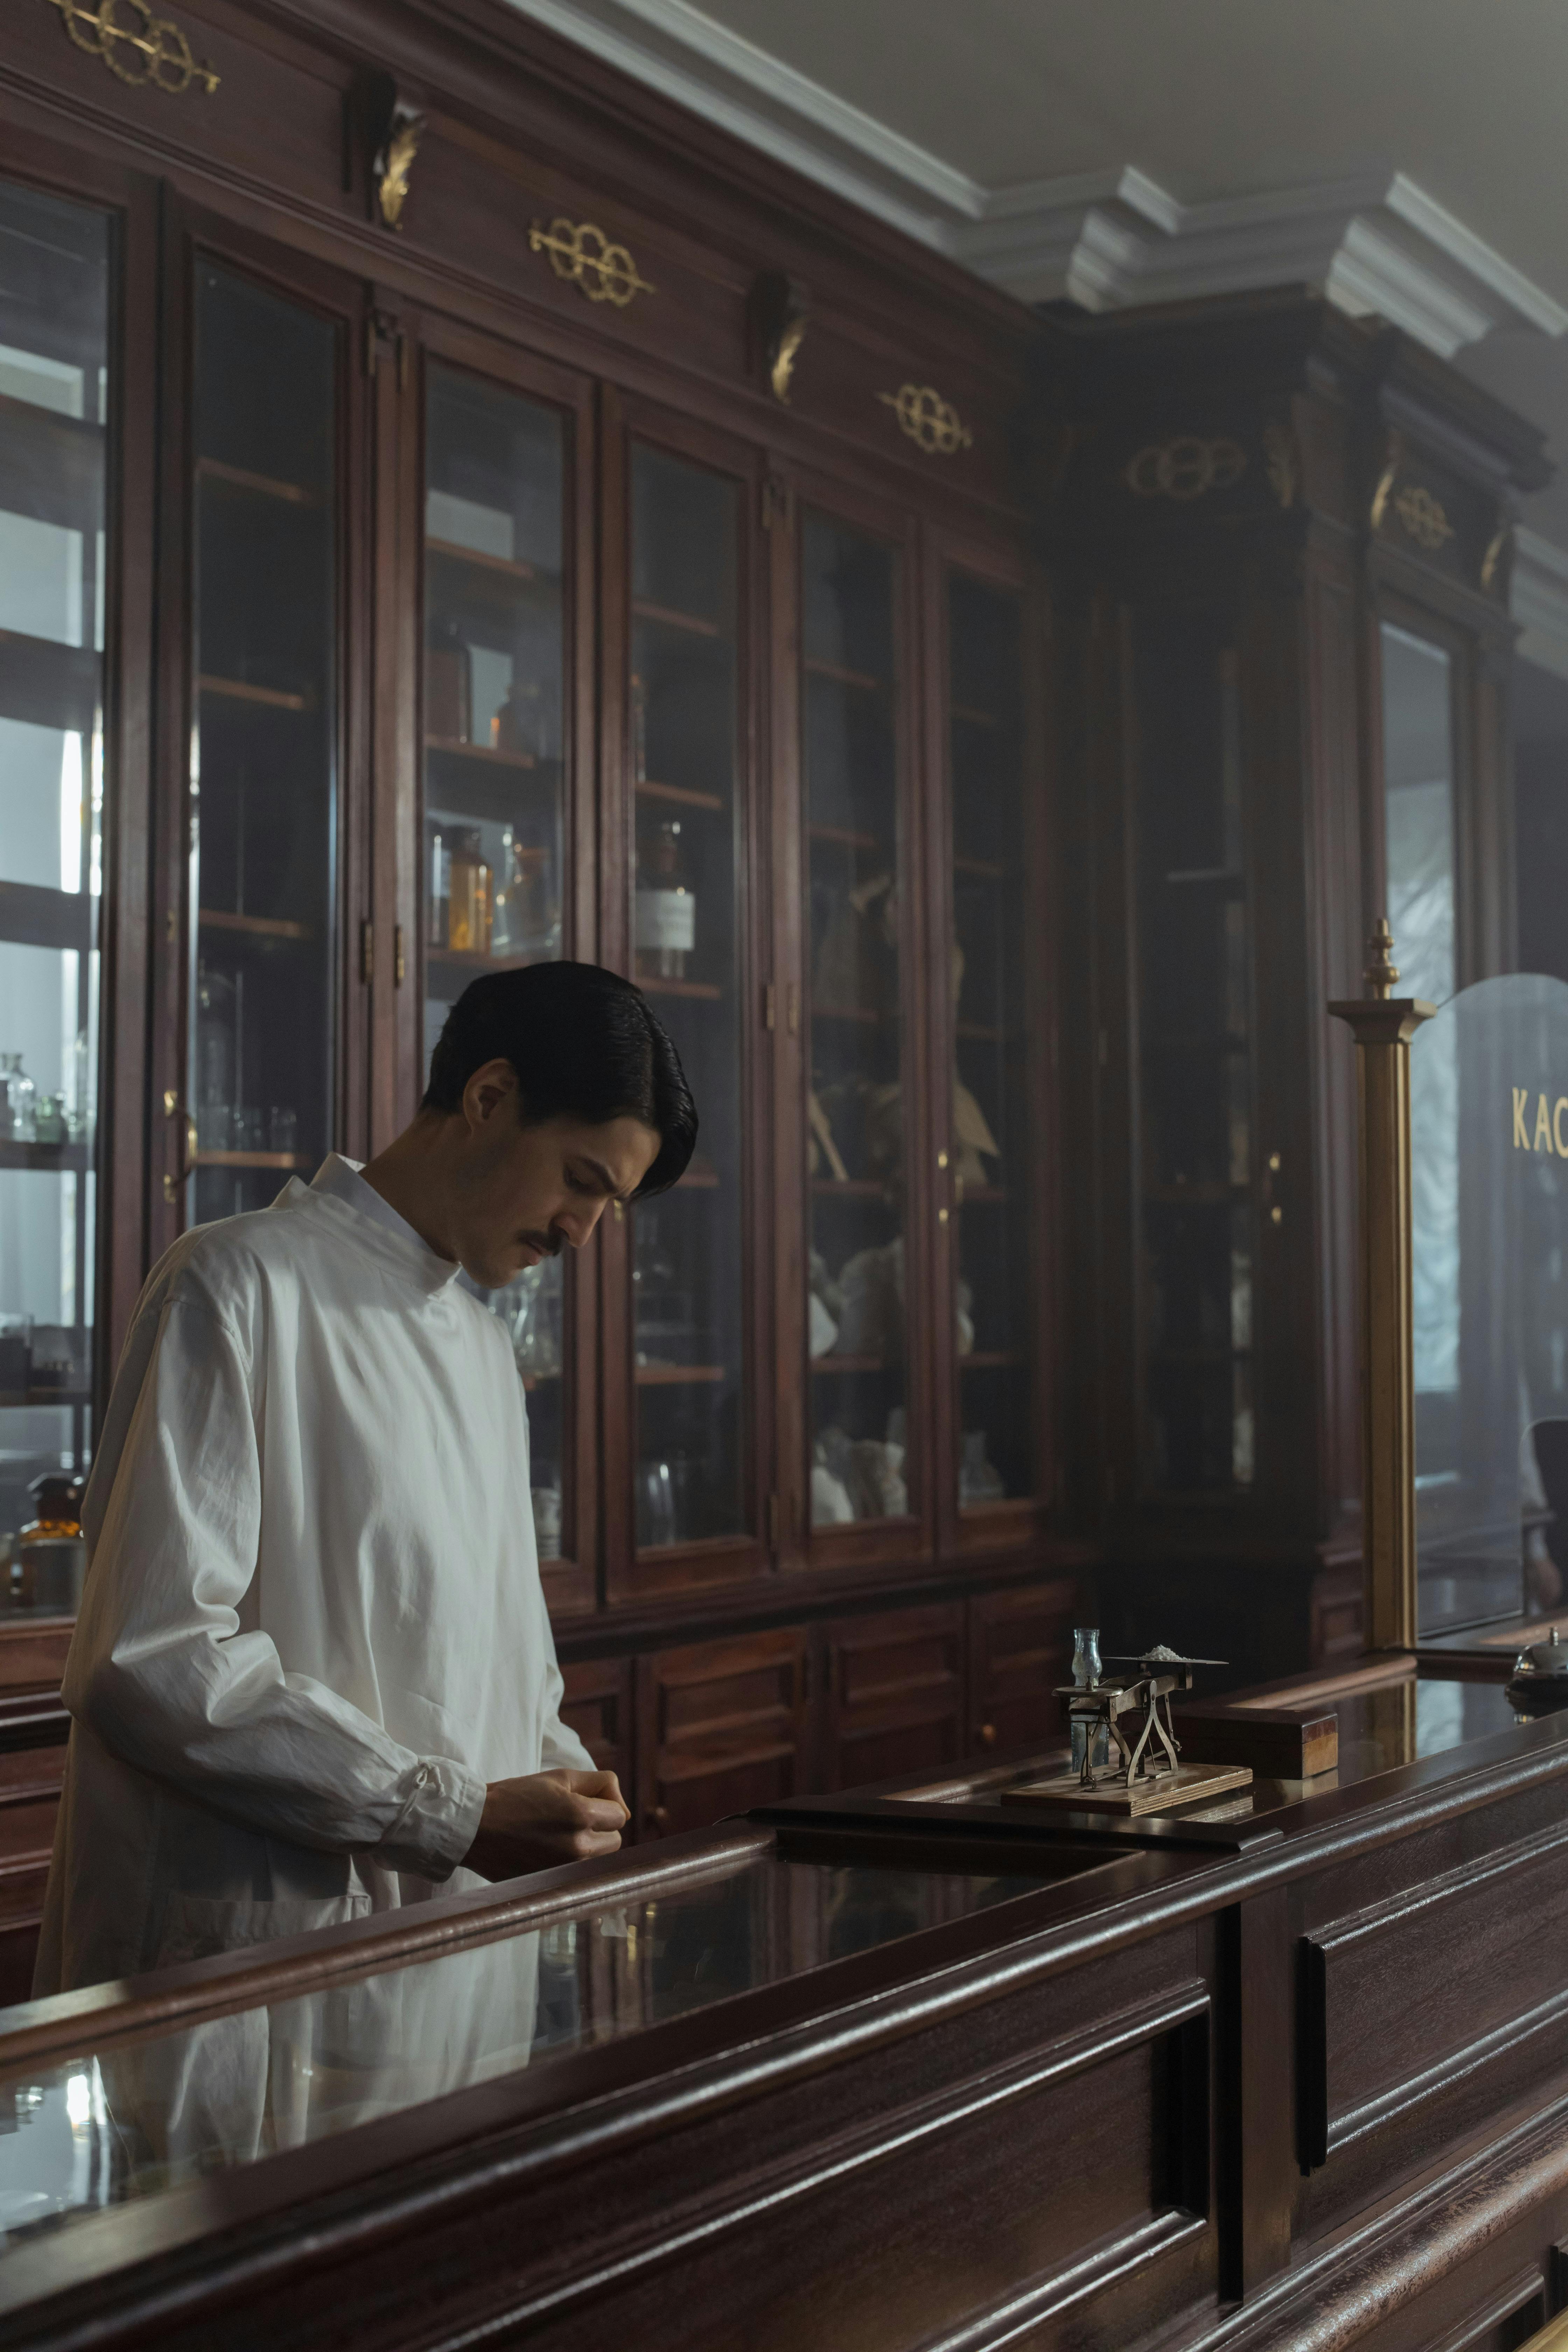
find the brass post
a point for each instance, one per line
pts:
(1383, 1025)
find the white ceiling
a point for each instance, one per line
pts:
(1047, 141)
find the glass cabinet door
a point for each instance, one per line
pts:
(989, 1147)
(493, 849)
(55, 296)
(857, 1325)
(1194, 1114)
(264, 744)
(689, 1323)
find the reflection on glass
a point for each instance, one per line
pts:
(990, 1081)
(103, 2130)
(54, 311)
(857, 1334)
(1490, 1248)
(493, 822)
(687, 1288)
(263, 743)
(1195, 1043)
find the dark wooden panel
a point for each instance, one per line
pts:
(1020, 1652)
(598, 1708)
(892, 1694)
(48, 685)
(721, 1727)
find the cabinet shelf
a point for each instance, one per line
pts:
(45, 1155)
(264, 486)
(973, 717)
(991, 1359)
(704, 990)
(672, 1376)
(682, 795)
(822, 1364)
(51, 466)
(1195, 1196)
(48, 685)
(263, 927)
(240, 689)
(34, 916)
(1197, 1358)
(978, 1034)
(453, 747)
(980, 869)
(859, 1012)
(849, 1188)
(285, 1160)
(696, 1179)
(838, 675)
(984, 1196)
(473, 959)
(501, 567)
(20, 1400)
(668, 617)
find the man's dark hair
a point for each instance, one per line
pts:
(584, 1045)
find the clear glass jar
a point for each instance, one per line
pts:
(20, 1112)
(468, 913)
(49, 1556)
(1086, 1673)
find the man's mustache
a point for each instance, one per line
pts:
(552, 1242)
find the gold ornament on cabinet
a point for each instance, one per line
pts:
(586, 258)
(1497, 549)
(778, 312)
(1281, 462)
(394, 162)
(139, 48)
(932, 423)
(1423, 517)
(1185, 468)
(1394, 459)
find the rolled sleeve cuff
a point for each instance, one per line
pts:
(438, 1820)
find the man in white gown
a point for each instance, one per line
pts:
(312, 1676)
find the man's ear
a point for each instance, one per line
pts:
(491, 1086)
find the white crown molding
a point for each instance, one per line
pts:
(1377, 244)
(1539, 600)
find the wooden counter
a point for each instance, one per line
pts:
(885, 2071)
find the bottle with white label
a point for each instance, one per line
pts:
(665, 907)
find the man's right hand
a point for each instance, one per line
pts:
(545, 1819)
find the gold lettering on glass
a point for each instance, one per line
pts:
(1423, 517)
(1558, 1107)
(1186, 467)
(1521, 1133)
(587, 259)
(138, 47)
(932, 423)
(1542, 1127)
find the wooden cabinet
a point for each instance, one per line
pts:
(721, 1726)
(1020, 1654)
(597, 1705)
(892, 1695)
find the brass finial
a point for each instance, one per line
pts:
(1382, 972)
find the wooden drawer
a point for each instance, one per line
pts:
(597, 1706)
(892, 1699)
(1020, 1653)
(721, 1726)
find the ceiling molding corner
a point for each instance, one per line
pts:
(1108, 240)
(1538, 599)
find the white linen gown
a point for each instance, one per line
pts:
(313, 1627)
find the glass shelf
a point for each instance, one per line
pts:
(263, 744)
(494, 845)
(54, 391)
(687, 1286)
(992, 1188)
(855, 1309)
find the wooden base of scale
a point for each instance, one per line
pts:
(1155, 1792)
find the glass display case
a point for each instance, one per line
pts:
(56, 296)
(857, 1336)
(990, 1158)
(493, 859)
(689, 1330)
(264, 751)
(1197, 1207)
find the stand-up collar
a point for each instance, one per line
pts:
(341, 1188)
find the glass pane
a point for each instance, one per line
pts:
(857, 1334)
(263, 743)
(54, 314)
(990, 1086)
(1196, 1050)
(494, 777)
(689, 1325)
(105, 2129)
(1419, 803)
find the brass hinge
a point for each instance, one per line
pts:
(399, 961)
(770, 1006)
(367, 950)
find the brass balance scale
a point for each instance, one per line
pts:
(1134, 1709)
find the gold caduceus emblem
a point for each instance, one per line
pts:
(137, 47)
(932, 423)
(587, 259)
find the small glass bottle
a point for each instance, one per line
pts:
(49, 1558)
(1085, 1670)
(449, 686)
(666, 908)
(21, 1099)
(439, 907)
(468, 915)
